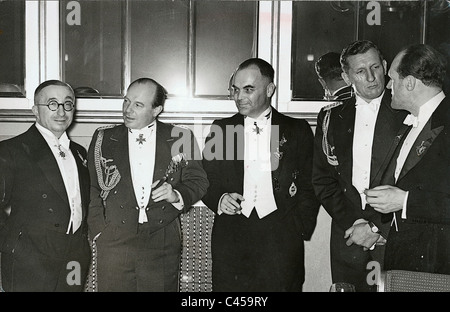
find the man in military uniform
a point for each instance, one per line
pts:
(329, 73)
(141, 181)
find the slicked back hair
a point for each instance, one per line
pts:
(357, 47)
(424, 63)
(51, 83)
(161, 93)
(264, 67)
(328, 66)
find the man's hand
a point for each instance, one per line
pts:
(385, 198)
(164, 192)
(231, 203)
(361, 234)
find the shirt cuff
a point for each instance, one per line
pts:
(180, 204)
(404, 206)
(359, 221)
(219, 212)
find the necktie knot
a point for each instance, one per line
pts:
(411, 120)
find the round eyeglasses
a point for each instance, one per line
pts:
(54, 105)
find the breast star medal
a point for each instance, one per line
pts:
(293, 189)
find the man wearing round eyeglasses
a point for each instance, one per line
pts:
(54, 108)
(44, 184)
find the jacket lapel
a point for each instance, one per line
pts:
(163, 155)
(120, 152)
(239, 146)
(118, 146)
(40, 151)
(275, 149)
(344, 126)
(383, 146)
(420, 147)
(83, 176)
(422, 144)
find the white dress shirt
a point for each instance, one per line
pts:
(425, 112)
(69, 172)
(142, 153)
(258, 192)
(365, 119)
(142, 147)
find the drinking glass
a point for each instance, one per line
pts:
(342, 287)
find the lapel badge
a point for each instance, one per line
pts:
(276, 184)
(293, 189)
(283, 140)
(83, 160)
(422, 148)
(397, 139)
(278, 154)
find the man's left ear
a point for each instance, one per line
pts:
(157, 110)
(270, 89)
(34, 109)
(385, 66)
(410, 82)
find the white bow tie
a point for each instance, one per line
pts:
(260, 120)
(411, 120)
(362, 105)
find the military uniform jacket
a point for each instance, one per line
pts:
(118, 206)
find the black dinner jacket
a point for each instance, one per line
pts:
(227, 176)
(421, 242)
(426, 171)
(33, 187)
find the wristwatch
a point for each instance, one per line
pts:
(374, 228)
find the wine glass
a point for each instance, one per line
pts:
(342, 287)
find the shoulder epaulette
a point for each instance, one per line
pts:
(332, 105)
(181, 126)
(345, 96)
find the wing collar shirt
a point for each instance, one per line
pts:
(365, 119)
(69, 172)
(142, 147)
(425, 112)
(142, 151)
(258, 191)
